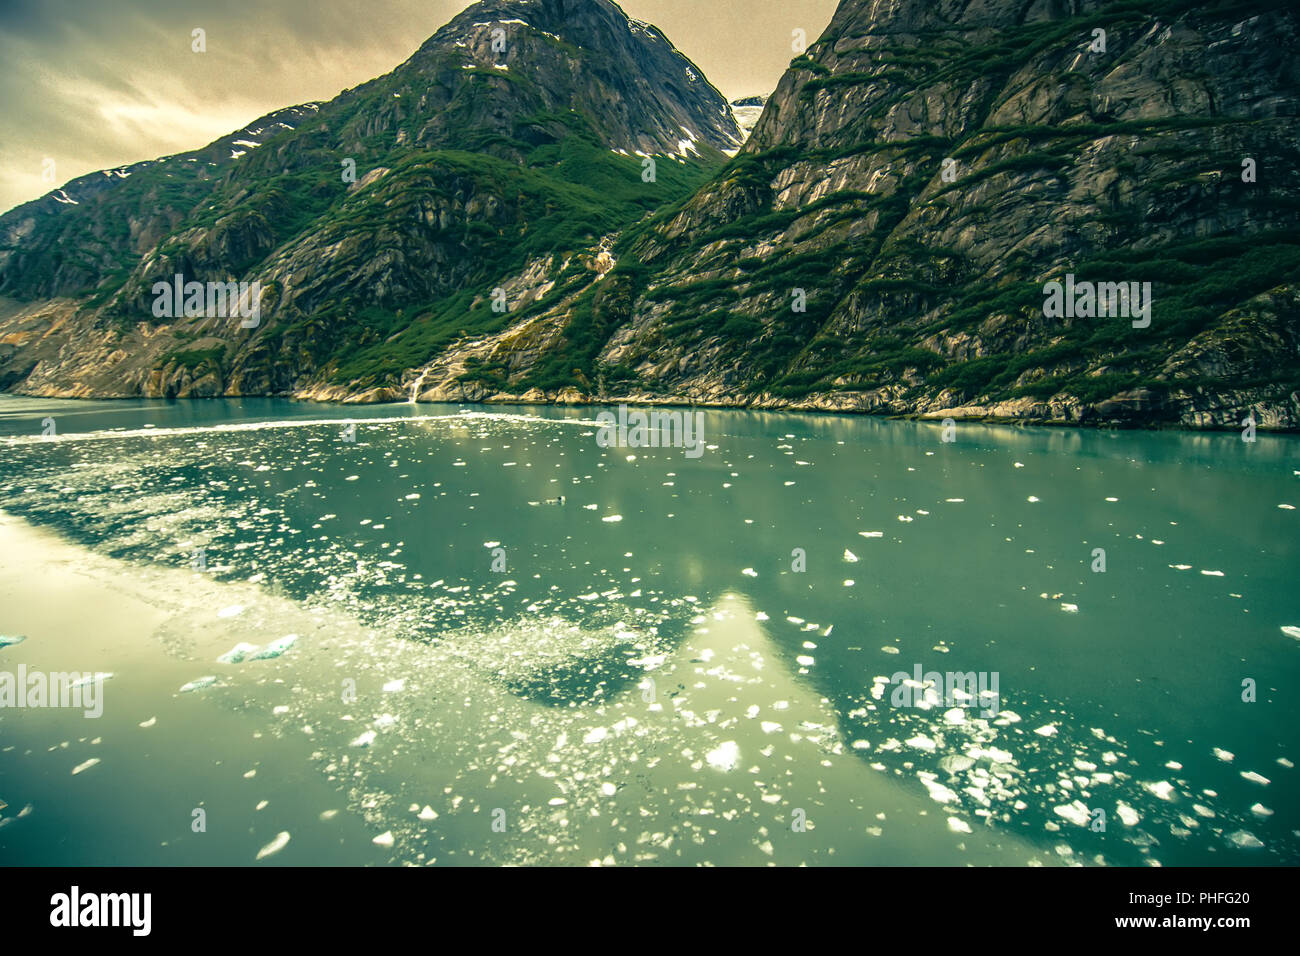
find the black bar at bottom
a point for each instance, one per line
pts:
(333, 905)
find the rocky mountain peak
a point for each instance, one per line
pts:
(644, 95)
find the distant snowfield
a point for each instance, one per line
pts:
(746, 118)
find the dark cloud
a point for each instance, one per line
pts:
(93, 85)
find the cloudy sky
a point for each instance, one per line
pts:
(94, 84)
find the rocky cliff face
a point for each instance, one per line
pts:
(881, 243)
(927, 168)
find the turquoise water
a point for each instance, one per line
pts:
(687, 661)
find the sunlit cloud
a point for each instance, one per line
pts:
(94, 86)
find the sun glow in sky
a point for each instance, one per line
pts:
(94, 86)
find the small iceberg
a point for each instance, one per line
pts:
(1245, 839)
(275, 846)
(237, 653)
(1289, 630)
(724, 757)
(199, 684)
(7, 640)
(91, 679)
(242, 651)
(275, 648)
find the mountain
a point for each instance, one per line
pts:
(925, 292)
(884, 241)
(378, 225)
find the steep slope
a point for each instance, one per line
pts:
(379, 228)
(882, 242)
(99, 224)
(920, 176)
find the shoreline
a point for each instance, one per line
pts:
(644, 401)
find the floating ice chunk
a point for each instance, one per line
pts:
(1075, 812)
(1255, 778)
(958, 825)
(1261, 811)
(84, 766)
(90, 679)
(237, 653)
(275, 846)
(395, 685)
(199, 683)
(1285, 763)
(7, 640)
(1290, 630)
(957, 763)
(1245, 839)
(1070, 608)
(1048, 730)
(1224, 755)
(595, 735)
(365, 740)
(275, 648)
(150, 722)
(232, 610)
(1212, 574)
(428, 813)
(1164, 789)
(921, 742)
(955, 715)
(1033, 498)
(749, 572)
(872, 534)
(724, 757)
(1127, 815)
(612, 518)
(805, 660)
(938, 792)
(384, 839)
(993, 753)
(850, 556)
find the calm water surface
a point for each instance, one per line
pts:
(646, 676)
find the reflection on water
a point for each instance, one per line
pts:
(689, 660)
